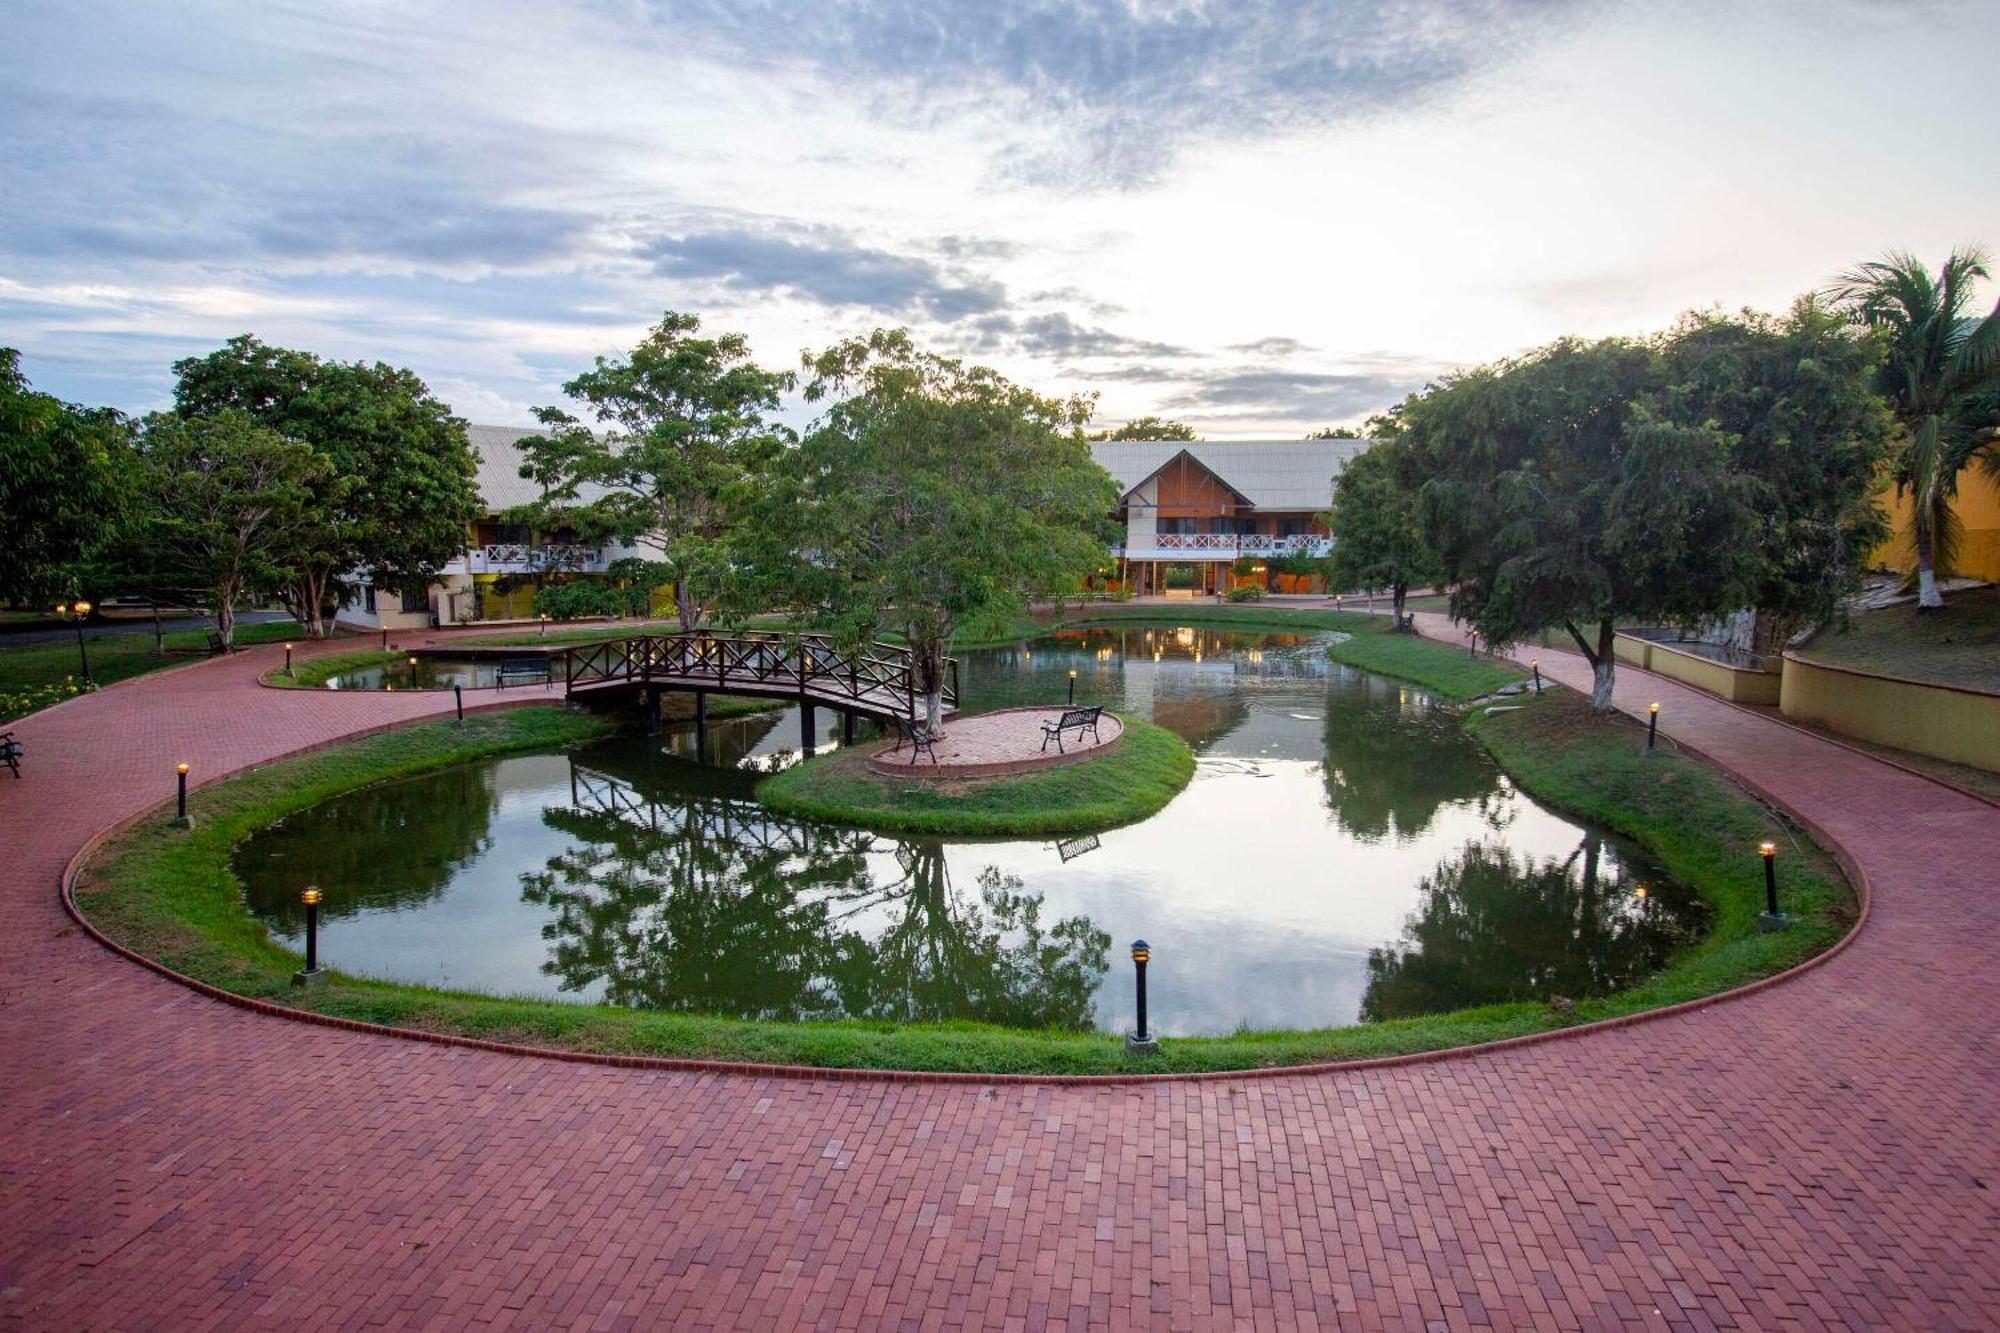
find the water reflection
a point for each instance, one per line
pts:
(1344, 851)
(1493, 926)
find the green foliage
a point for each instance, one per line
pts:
(1940, 372)
(19, 703)
(1149, 428)
(672, 458)
(1246, 592)
(36, 675)
(1148, 769)
(222, 500)
(579, 599)
(929, 494)
(65, 475)
(1378, 536)
(397, 491)
(1336, 433)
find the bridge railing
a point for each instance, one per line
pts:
(800, 663)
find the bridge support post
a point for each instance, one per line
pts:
(805, 727)
(847, 727)
(652, 710)
(701, 726)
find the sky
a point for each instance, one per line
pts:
(1258, 217)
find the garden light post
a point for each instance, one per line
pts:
(288, 662)
(1772, 919)
(310, 972)
(458, 699)
(76, 612)
(1652, 724)
(385, 638)
(1072, 685)
(545, 625)
(181, 796)
(413, 671)
(1141, 1041)
(1536, 667)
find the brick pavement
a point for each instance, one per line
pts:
(1819, 1153)
(1007, 740)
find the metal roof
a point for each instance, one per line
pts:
(501, 485)
(1271, 474)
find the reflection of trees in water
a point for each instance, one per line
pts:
(379, 847)
(1393, 761)
(1493, 927)
(704, 903)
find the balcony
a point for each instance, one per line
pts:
(522, 558)
(1190, 546)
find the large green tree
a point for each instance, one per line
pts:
(64, 490)
(1941, 374)
(1378, 532)
(1563, 496)
(221, 496)
(1149, 428)
(398, 491)
(675, 458)
(929, 492)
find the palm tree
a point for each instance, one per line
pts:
(1940, 366)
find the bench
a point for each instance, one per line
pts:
(921, 738)
(216, 647)
(10, 752)
(529, 669)
(1079, 720)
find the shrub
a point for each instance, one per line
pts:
(36, 697)
(580, 598)
(1245, 592)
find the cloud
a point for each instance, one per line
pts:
(1087, 94)
(1270, 347)
(1292, 394)
(823, 264)
(1055, 334)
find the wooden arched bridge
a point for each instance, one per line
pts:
(879, 681)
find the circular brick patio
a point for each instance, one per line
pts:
(1011, 740)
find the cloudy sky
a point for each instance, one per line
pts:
(1260, 216)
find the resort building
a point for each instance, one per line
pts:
(1201, 516)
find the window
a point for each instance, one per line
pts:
(1291, 527)
(416, 600)
(1176, 525)
(368, 598)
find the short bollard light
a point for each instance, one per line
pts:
(1072, 684)
(385, 638)
(1141, 1041)
(308, 974)
(181, 796)
(288, 659)
(1772, 918)
(545, 624)
(458, 698)
(1536, 667)
(413, 672)
(1652, 724)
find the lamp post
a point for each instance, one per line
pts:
(1141, 1041)
(181, 796)
(1072, 685)
(75, 612)
(545, 624)
(1652, 724)
(288, 661)
(458, 699)
(310, 972)
(1536, 667)
(413, 671)
(385, 638)
(1772, 919)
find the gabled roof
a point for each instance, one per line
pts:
(501, 485)
(1270, 474)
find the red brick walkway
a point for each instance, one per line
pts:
(1821, 1153)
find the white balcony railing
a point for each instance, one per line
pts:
(522, 558)
(1221, 546)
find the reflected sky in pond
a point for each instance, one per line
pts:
(1344, 852)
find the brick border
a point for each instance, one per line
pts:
(66, 892)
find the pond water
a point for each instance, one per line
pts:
(1344, 852)
(441, 673)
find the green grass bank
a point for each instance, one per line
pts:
(35, 675)
(1147, 770)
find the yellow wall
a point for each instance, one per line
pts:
(1978, 507)
(1962, 726)
(1736, 684)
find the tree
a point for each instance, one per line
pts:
(1149, 428)
(1939, 370)
(64, 489)
(398, 491)
(221, 497)
(932, 492)
(1378, 535)
(1335, 433)
(1794, 394)
(679, 460)
(1562, 497)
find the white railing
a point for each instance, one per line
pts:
(1221, 546)
(522, 558)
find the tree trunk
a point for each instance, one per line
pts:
(1928, 597)
(1400, 592)
(930, 677)
(159, 634)
(1603, 663)
(686, 607)
(225, 614)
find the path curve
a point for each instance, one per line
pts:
(1821, 1152)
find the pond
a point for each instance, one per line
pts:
(1345, 852)
(430, 671)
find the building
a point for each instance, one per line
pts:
(1978, 508)
(1202, 516)
(494, 577)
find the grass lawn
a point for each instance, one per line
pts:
(171, 894)
(313, 673)
(1148, 769)
(1957, 646)
(37, 666)
(1451, 672)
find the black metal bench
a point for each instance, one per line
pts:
(216, 647)
(921, 738)
(1079, 720)
(531, 670)
(10, 752)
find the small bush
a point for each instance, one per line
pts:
(22, 702)
(1246, 592)
(582, 598)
